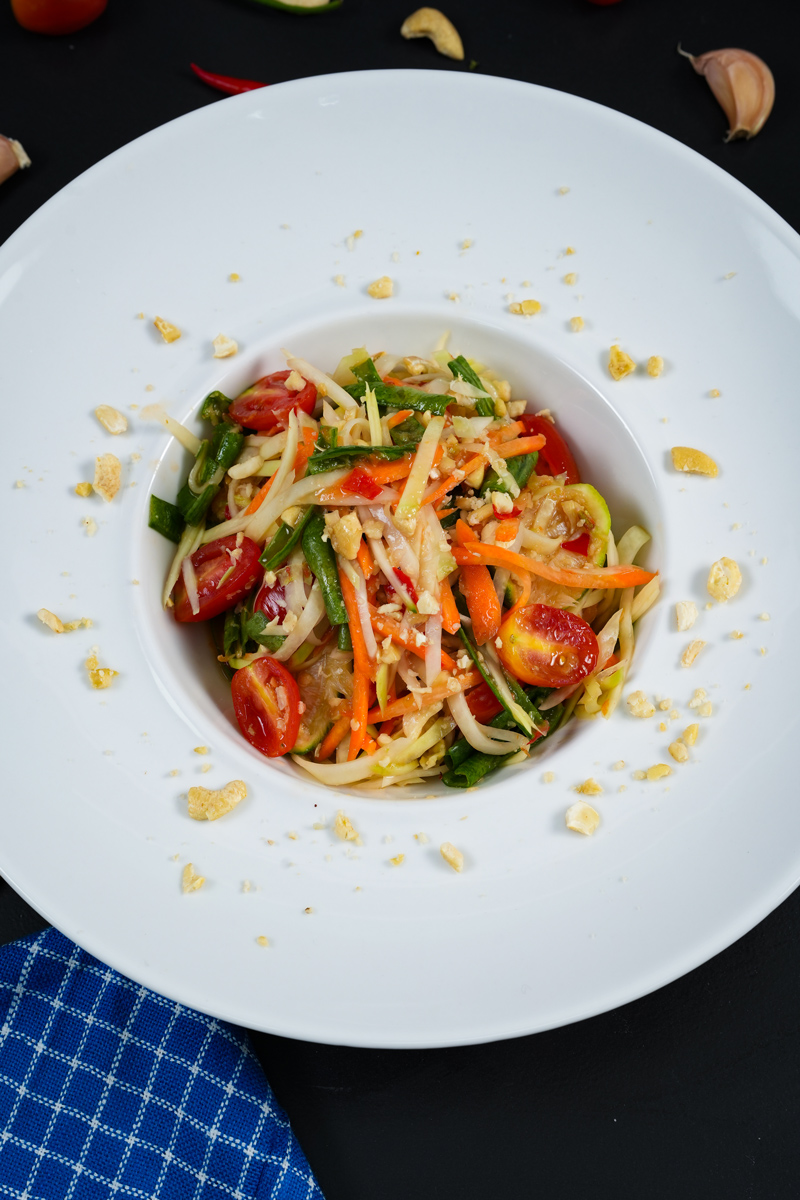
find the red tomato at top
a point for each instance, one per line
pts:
(56, 16)
(267, 404)
(547, 647)
(266, 700)
(555, 456)
(217, 589)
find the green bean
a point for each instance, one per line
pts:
(276, 552)
(166, 519)
(322, 561)
(484, 405)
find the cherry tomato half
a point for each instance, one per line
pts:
(267, 404)
(547, 647)
(217, 589)
(56, 16)
(266, 700)
(482, 703)
(555, 456)
(271, 600)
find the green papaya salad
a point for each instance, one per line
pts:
(405, 575)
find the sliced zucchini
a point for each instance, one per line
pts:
(599, 519)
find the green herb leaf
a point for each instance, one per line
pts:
(408, 432)
(344, 456)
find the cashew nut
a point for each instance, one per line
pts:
(429, 22)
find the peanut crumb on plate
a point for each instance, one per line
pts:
(655, 366)
(168, 331)
(398, 860)
(678, 751)
(452, 856)
(620, 364)
(99, 677)
(724, 579)
(525, 308)
(576, 324)
(262, 941)
(206, 804)
(582, 818)
(685, 458)
(639, 705)
(658, 771)
(191, 882)
(691, 652)
(590, 787)
(344, 830)
(689, 735)
(685, 614)
(381, 289)
(224, 346)
(111, 419)
(107, 476)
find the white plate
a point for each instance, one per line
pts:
(543, 927)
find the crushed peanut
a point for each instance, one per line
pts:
(201, 750)
(618, 765)
(576, 324)
(397, 860)
(620, 364)
(99, 677)
(684, 458)
(659, 771)
(736, 634)
(714, 393)
(691, 652)
(705, 710)
(679, 751)
(685, 614)
(422, 838)
(83, 489)
(224, 346)
(107, 476)
(525, 308)
(590, 787)
(690, 733)
(262, 941)
(169, 332)
(698, 698)
(111, 419)
(664, 704)
(639, 705)
(724, 579)
(453, 857)
(570, 279)
(655, 365)
(548, 777)
(190, 882)
(343, 829)
(582, 818)
(381, 289)
(208, 805)
(345, 535)
(50, 620)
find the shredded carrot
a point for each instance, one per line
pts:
(398, 417)
(405, 638)
(361, 668)
(451, 618)
(336, 734)
(507, 530)
(484, 607)
(412, 703)
(453, 480)
(522, 446)
(365, 560)
(444, 512)
(474, 552)
(507, 432)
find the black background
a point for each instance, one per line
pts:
(690, 1092)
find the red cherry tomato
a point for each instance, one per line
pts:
(547, 647)
(578, 545)
(211, 563)
(555, 457)
(482, 703)
(266, 700)
(56, 16)
(267, 404)
(271, 600)
(360, 483)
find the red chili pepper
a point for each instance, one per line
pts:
(578, 545)
(360, 483)
(226, 83)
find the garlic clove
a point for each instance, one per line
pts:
(12, 158)
(742, 83)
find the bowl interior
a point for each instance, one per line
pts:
(182, 658)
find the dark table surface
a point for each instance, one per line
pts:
(689, 1092)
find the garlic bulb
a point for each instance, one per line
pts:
(743, 85)
(12, 158)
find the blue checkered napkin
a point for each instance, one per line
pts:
(109, 1090)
